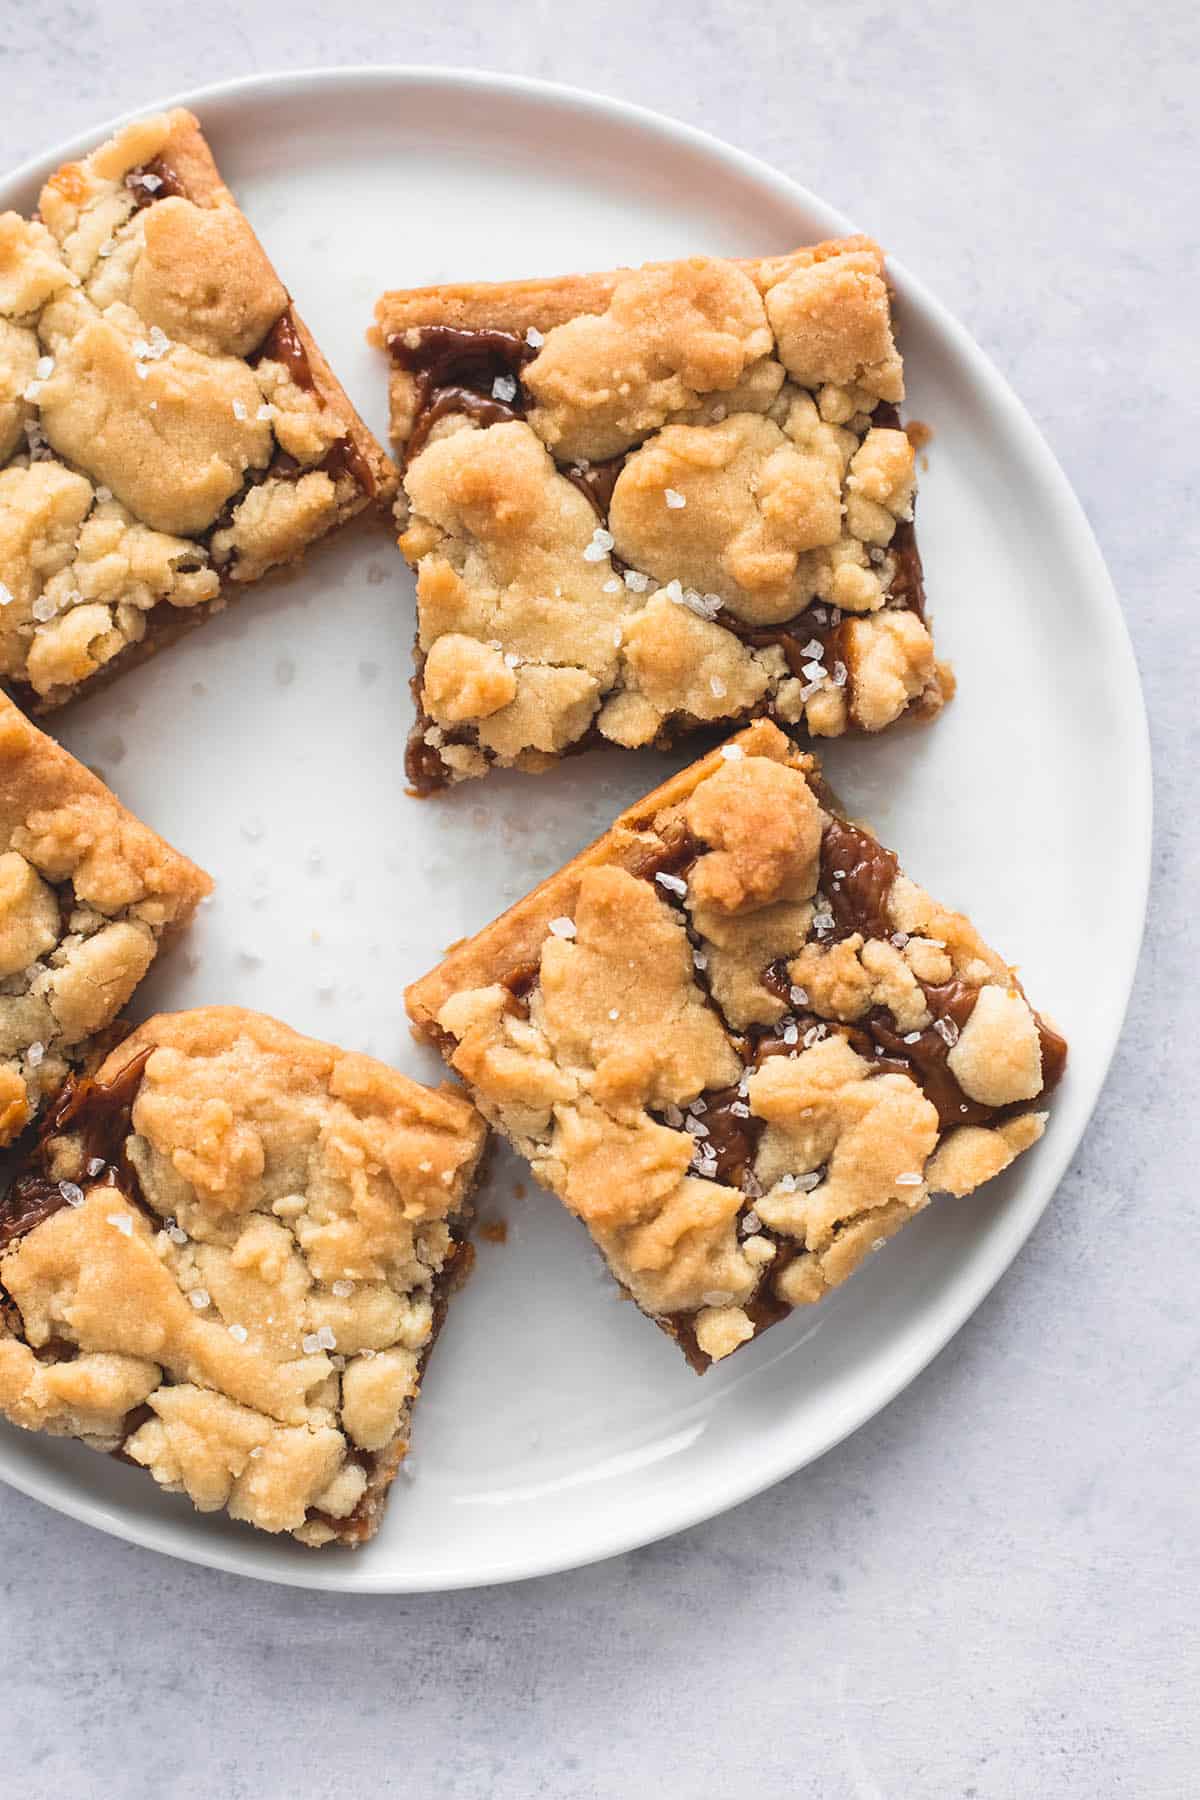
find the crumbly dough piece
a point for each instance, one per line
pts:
(87, 896)
(229, 1263)
(740, 1044)
(683, 488)
(167, 425)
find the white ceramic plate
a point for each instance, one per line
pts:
(557, 1425)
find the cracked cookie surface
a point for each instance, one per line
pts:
(87, 896)
(228, 1262)
(167, 426)
(741, 1045)
(656, 499)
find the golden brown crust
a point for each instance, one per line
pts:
(739, 1044)
(733, 426)
(240, 1290)
(177, 430)
(87, 895)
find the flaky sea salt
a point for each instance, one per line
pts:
(814, 649)
(672, 883)
(562, 927)
(504, 388)
(534, 338)
(199, 1298)
(732, 752)
(71, 1192)
(674, 499)
(34, 1054)
(911, 1179)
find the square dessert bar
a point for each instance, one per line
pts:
(167, 425)
(654, 499)
(87, 896)
(741, 1045)
(227, 1262)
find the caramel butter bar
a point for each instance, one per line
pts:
(655, 499)
(228, 1260)
(88, 894)
(741, 1045)
(168, 428)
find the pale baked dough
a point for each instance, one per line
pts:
(167, 425)
(755, 555)
(87, 896)
(239, 1292)
(709, 966)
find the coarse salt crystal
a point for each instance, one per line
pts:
(107, 249)
(34, 1054)
(798, 996)
(739, 1109)
(511, 659)
(265, 412)
(699, 960)
(613, 586)
(718, 687)
(947, 1030)
(32, 391)
(6, 597)
(673, 1116)
(635, 581)
(614, 1012)
(121, 1222)
(732, 752)
(142, 370)
(504, 388)
(674, 499)
(698, 1106)
(695, 1127)
(562, 927)
(45, 368)
(879, 1243)
(816, 671)
(71, 1192)
(151, 183)
(199, 1298)
(912, 1037)
(813, 649)
(310, 1343)
(534, 338)
(911, 1179)
(43, 608)
(343, 1288)
(823, 921)
(838, 677)
(239, 411)
(238, 1333)
(791, 1034)
(326, 1338)
(95, 1165)
(899, 938)
(672, 883)
(177, 1234)
(751, 1222)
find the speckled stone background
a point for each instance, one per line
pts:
(991, 1590)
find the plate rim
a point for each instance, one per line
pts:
(976, 1280)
